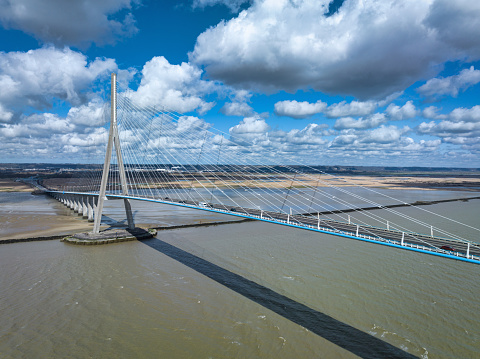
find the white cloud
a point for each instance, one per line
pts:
(354, 108)
(69, 22)
(233, 5)
(384, 134)
(36, 77)
(297, 109)
(96, 138)
(250, 125)
(237, 109)
(175, 87)
(451, 85)
(449, 128)
(5, 115)
(93, 114)
(431, 112)
(466, 114)
(398, 113)
(312, 134)
(306, 109)
(49, 137)
(386, 145)
(465, 142)
(457, 126)
(41, 125)
(254, 133)
(190, 123)
(368, 49)
(362, 123)
(344, 139)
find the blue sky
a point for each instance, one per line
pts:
(354, 82)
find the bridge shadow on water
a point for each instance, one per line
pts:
(345, 336)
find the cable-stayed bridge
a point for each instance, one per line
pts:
(161, 156)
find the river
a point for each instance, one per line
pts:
(245, 290)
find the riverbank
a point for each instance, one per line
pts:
(161, 228)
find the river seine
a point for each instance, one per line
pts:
(241, 290)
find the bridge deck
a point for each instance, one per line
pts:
(406, 240)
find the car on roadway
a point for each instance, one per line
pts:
(448, 248)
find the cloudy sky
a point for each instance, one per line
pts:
(342, 82)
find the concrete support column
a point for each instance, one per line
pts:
(75, 204)
(80, 205)
(90, 205)
(84, 207)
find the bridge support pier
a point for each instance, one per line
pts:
(90, 204)
(75, 204)
(80, 205)
(84, 207)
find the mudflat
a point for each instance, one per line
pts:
(9, 185)
(16, 226)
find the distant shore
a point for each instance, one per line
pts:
(433, 182)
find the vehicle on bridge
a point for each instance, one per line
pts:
(448, 248)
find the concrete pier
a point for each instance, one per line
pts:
(75, 204)
(115, 235)
(84, 207)
(90, 205)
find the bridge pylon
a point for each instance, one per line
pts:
(113, 140)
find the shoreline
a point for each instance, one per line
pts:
(162, 228)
